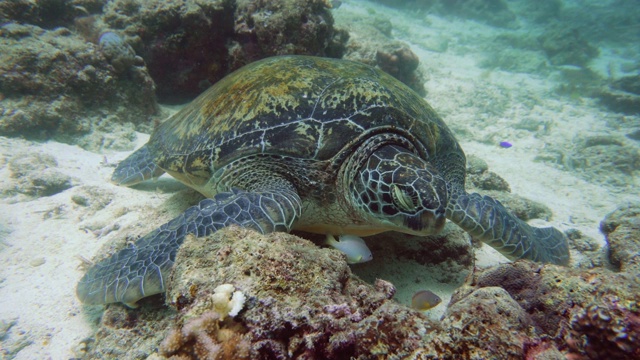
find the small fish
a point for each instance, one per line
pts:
(425, 300)
(505, 144)
(354, 247)
(336, 4)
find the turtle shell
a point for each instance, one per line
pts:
(296, 106)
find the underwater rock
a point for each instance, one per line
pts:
(47, 14)
(488, 315)
(567, 46)
(374, 46)
(184, 63)
(301, 302)
(401, 63)
(300, 299)
(550, 294)
(169, 37)
(54, 84)
(588, 247)
(35, 175)
(622, 95)
(267, 28)
(601, 159)
(525, 209)
(607, 329)
(622, 230)
(515, 52)
(476, 165)
(619, 101)
(488, 180)
(117, 51)
(630, 84)
(480, 179)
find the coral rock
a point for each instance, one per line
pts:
(622, 230)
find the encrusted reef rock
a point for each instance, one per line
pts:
(373, 44)
(487, 323)
(35, 175)
(81, 67)
(300, 302)
(282, 297)
(53, 81)
(580, 313)
(604, 159)
(189, 45)
(622, 95)
(566, 46)
(622, 230)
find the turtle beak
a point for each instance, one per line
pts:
(426, 222)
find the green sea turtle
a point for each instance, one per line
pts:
(321, 145)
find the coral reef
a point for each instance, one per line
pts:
(168, 35)
(35, 175)
(401, 63)
(302, 302)
(606, 329)
(375, 46)
(622, 95)
(567, 46)
(622, 230)
(485, 324)
(554, 299)
(55, 84)
(602, 159)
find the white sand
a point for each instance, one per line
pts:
(51, 231)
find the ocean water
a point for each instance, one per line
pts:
(543, 97)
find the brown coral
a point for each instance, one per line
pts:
(302, 302)
(606, 329)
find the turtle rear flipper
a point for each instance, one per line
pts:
(488, 220)
(136, 168)
(140, 269)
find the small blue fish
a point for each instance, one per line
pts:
(354, 247)
(425, 300)
(505, 144)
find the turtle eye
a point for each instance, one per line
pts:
(404, 198)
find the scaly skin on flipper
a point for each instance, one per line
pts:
(321, 145)
(140, 270)
(136, 168)
(489, 221)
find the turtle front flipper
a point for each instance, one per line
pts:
(136, 168)
(488, 220)
(140, 269)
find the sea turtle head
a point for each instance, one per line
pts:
(399, 191)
